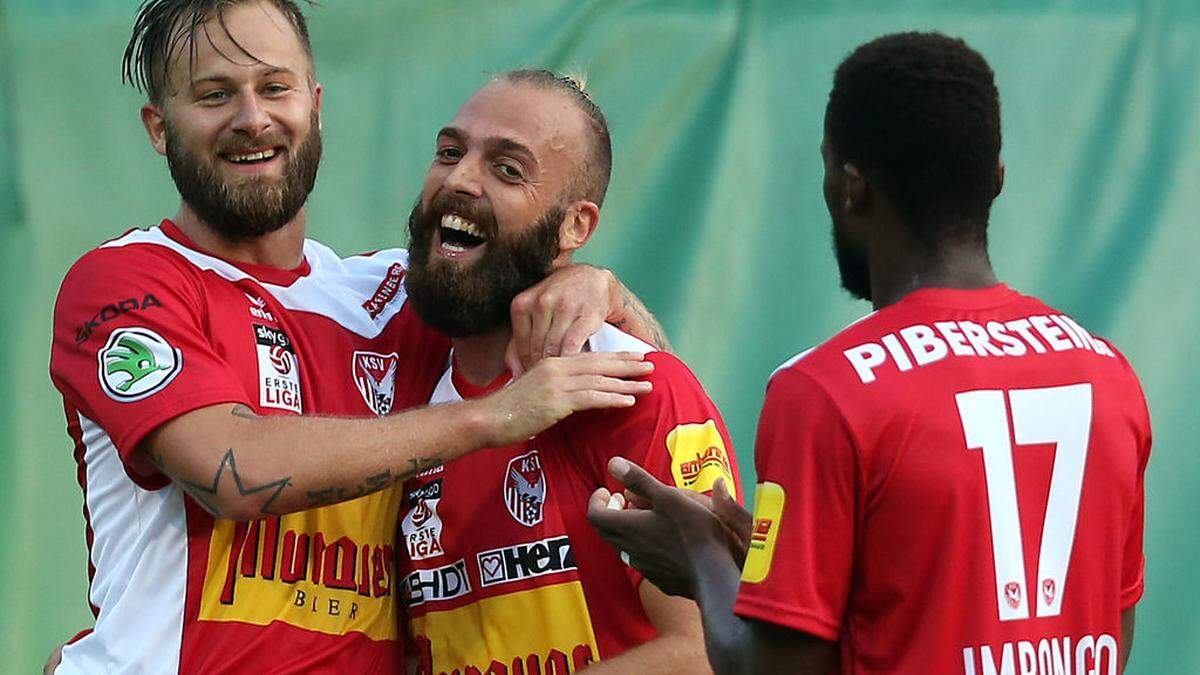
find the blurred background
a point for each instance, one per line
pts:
(714, 217)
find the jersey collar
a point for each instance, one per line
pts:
(263, 273)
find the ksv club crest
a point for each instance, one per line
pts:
(375, 377)
(525, 488)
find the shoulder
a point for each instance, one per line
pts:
(135, 264)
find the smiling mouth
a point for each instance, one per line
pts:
(251, 158)
(459, 235)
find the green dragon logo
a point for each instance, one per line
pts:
(132, 358)
(135, 363)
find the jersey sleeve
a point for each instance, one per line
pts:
(675, 432)
(1133, 558)
(130, 348)
(798, 569)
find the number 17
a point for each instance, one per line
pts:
(1059, 415)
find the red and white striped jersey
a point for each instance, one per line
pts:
(953, 484)
(148, 327)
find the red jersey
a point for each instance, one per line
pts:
(148, 327)
(954, 484)
(505, 574)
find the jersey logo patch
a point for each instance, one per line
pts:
(375, 377)
(278, 370)
(524, 561)
(768, 511)
(698, 457)
(422, 527)
(525, 488)
(137, 362)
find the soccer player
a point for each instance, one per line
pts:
(233, 389)
(953, 484)
(506, 575)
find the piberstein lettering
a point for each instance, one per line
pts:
(1031, 335)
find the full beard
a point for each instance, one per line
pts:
(254, 206)
(462, 300)
(852, 268)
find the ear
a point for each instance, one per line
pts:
(318, 96)
(999, 177)
(577, 227)
(155, 121)
(856, 194)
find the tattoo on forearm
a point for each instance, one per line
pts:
(335, 494)
(244, 411)
(207, 494)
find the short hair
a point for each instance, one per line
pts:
(162, 26)
(919, 115)
(592, 183)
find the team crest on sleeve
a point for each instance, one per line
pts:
(375, 377)
(278, 370)
(525, 488)
(768, 510)
(135, 363)
(698, 457)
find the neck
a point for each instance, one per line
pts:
(283, 248)
(480, 358)
(900, 267)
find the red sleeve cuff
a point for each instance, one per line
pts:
(779, 614)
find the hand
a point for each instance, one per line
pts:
(558, 315)
(559, 386)
(738, 522)
(661, 539)
(54, 660)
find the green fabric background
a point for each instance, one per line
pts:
(714, 216)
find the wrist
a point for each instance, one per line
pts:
(482, 422)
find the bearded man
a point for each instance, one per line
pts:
(228, 382)
(505, 574)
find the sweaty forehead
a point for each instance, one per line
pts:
(543, 120)
(244, 37)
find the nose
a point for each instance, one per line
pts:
(464, 178)
(252, 119)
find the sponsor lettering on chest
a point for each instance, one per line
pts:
(525, 488)
(278, 370)
(422, 527)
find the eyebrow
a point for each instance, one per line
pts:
(493, 144)
(272, 70)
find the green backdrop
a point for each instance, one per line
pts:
(714, 216)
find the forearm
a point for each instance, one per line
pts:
(727, 638)
(627, 312)
(665, 654)
(243, 467)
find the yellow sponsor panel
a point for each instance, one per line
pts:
(699, 457)
(534, 626)
(768, 512)
(329, 570)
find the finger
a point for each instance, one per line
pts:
(522, 325)
(577, 333)
(633, 501)
(638, 481)
(512, 359)
(599, 498)
(590, 399)
(732, 515)
(608, 384)
(540, 320)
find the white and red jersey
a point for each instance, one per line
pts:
(953, 484)
(503, 572)
(148, 327)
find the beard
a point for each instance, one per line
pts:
(255, 205)
(461, 300)
(852, 266)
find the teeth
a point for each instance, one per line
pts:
(454, 248)
(454, 222)
(253, 157)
